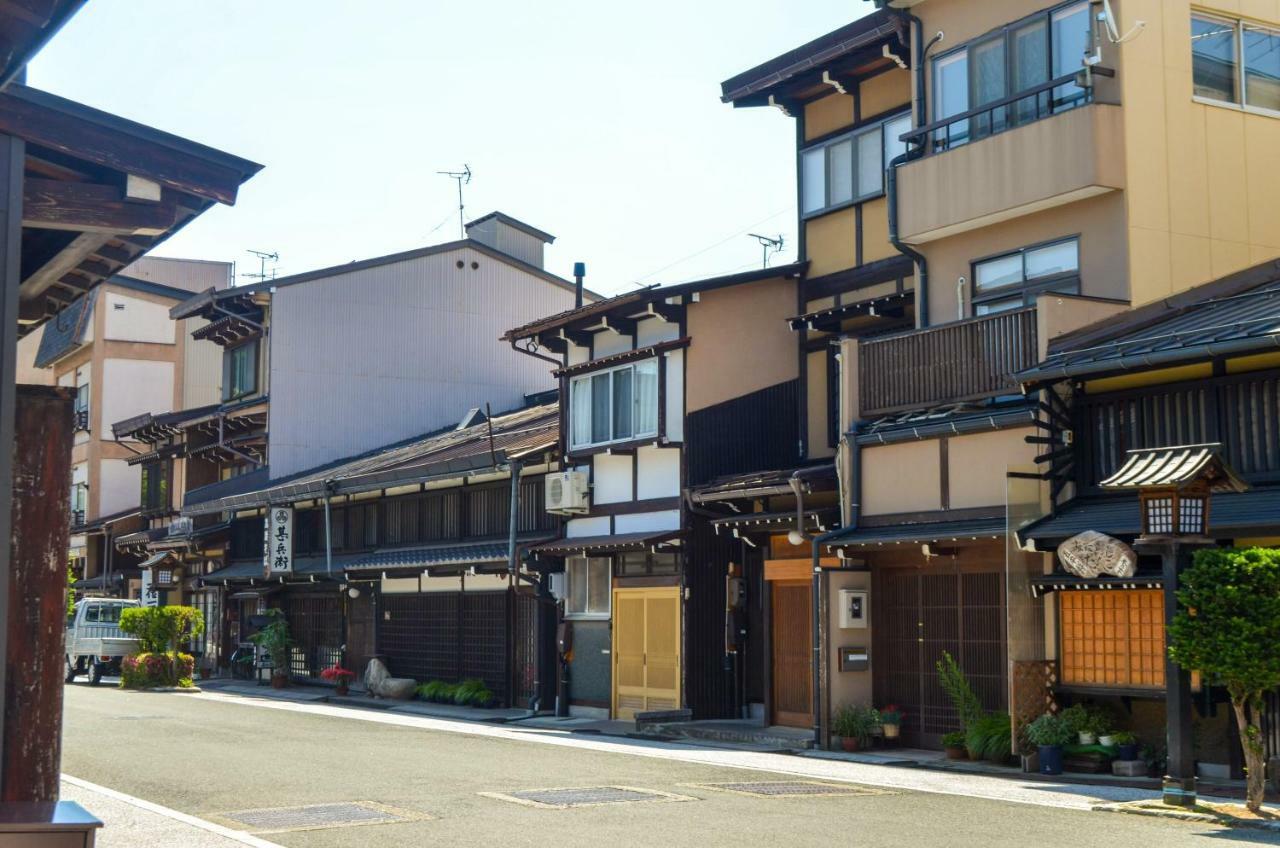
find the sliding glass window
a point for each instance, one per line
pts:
(849, 168)
(1220, 73)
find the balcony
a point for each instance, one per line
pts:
(1009, 158)
(81, 421)
(964, 361)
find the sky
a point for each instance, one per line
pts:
(586, 119)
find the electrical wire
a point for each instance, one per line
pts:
(1113, 32)
(639, 281)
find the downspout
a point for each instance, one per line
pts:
(513, 520)
(818, 633)
(328, 531)
(527, 352)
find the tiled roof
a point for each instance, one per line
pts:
(603, 544)
(1174, 466)
(938, 531)
(65, 332)
(445, 554)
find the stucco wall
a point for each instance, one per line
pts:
(131, 387)
(135, 319)
(886, 470)
(978, 464)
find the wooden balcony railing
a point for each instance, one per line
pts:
(967, 360)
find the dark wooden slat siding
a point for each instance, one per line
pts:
(755, 432)
(316, 625)
(708, 683)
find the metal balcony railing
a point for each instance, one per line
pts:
(81, 421)
(966, 360)
(77, 517)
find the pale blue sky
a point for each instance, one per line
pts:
(599, 124)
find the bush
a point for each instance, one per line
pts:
(954, 739)
(436, 691)
(472, 693)
(150, 670)
(161, 629)
(956, 685)
(1049, 729)
(990, 737)
(855, 722)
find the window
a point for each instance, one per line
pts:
(615, 405)
(588, 587)
(849, 168)
(1218, 73)
(1113, 638)
(1026, 54)
(82, 407)
(1013, 280)
(240, 371)
(155, 486)
(642, 564)
(79, 501)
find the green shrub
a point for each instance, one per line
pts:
(954, 739)
(1050, 729)
(150, 670)
(436, 691)
(161, 629)
(956, 685)
(274, 638)
(990, 737)
(472, 693)
(856, 722)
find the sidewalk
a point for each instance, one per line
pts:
(129, 822)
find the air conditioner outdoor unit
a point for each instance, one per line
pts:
(567, 492)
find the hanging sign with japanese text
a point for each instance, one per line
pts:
(278, 550)
(150, 595)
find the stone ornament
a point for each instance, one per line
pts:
(379, 682)
(1091, 553)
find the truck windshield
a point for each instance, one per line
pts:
(103, 613)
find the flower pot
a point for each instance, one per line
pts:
(1087, 738)
(1129, 752)
(1106, 740)
(850, 743)
(279, 681)
(342, 689)
(956, 752)
(890, 731)
(1050, 759)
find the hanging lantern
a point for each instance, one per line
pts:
(1174, 487)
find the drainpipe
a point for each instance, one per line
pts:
(328, 531)
(818, 634)
(512, 564)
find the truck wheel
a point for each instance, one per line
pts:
(71, 671)
(95, 672)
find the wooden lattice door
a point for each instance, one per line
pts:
(792, 621)
(646, 650)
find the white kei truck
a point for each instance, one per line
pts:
(95, 645)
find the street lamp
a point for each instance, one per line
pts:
(1175, 485)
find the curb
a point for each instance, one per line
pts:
(1223, 819)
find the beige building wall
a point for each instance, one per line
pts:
(978, 464)
(848, 687)
(194, 275)
(903, 477)
(741, 341)
(28, 373)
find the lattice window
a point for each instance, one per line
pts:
(1113, 638)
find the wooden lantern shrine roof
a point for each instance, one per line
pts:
(1175, 467)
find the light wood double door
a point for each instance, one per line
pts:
(646, 650)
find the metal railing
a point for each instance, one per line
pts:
(77, 517)
(965, 360)
(1042, 101)
(81, 420)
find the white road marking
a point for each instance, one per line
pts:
(1062, 795)
(226, 832)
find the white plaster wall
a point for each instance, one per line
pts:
(675, 395)
(131, 319)
(612, 480)
(201, 368)
(651, 331)
(133, 386)
(120, 485)
(607, 343)
(578, 354)
(194, 275)
(644, 522)
(578, 527)
(659, 473)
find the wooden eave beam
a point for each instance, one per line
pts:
(667, 312)
(92, 207)
(33, 288)
(624, 326)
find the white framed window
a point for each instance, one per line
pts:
(588, 587)
(850, 167)
(616, 405)
(1236, 62)
(1014, 280)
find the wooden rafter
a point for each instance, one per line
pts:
(90, 207)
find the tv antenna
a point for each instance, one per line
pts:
(461, 178)
(767, 245)
(263, 258)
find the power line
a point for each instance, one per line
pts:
(735, 234)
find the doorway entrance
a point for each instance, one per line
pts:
(646, 650)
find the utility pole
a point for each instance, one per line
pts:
(462, 178)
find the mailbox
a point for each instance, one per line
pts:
(855, 658)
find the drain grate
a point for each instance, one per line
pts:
(586, 796)
(314, 816)
(789, 788)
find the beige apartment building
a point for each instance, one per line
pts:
(123, 354)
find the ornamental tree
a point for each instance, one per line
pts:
(1226, 627)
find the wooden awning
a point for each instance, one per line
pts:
(1175, 467)
(616, 543)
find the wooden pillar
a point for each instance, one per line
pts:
(1180, 779)
(12, 153)
(37, 611)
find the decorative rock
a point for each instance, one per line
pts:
(379, 682)
(1129, 768)
(1091, 553)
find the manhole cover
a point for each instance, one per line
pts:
(789, 788)
(313, 816)
(587, 796)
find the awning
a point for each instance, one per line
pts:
(1252, 513)
(254, 592)
(117, 579)
(154, 559)
(606, 544)
(1176, 466)
(236, 571)
(430, 556)
(1064, 582)
(820, 520)
(938, 531)
(759, 484)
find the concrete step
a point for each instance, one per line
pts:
(765, 737)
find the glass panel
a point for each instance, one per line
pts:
(576, 577)
(989, 79)
(647, 398)
(665, 564)
(840, 173)
(1002, 271)
(951, 97)
(580, 411)
(998, 306)
(870, 166)
(813, 176)
(598, 585)
(601, 395)
(893, 148)
(1261, 68)
(1069, 30)
(1213, 59)
(635, 564)
(1030, 45)
(1055, 259)
(623, 404)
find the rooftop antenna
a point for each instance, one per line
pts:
(462, 178)
(768, 244)
(263, 258)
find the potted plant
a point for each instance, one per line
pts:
(1078, 722)
(274, 638)
(891, 721)
(340, 677)
(855, 726)
(1107, 738)
(1049, 733)
(1127, 742)
(953, 744)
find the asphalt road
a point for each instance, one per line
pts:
(211, 758)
